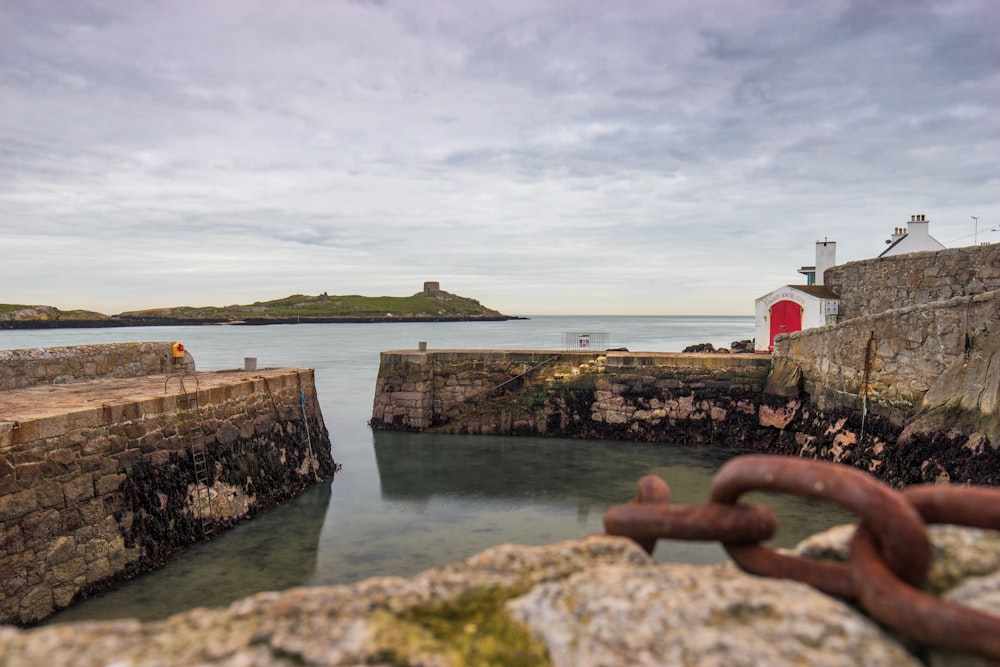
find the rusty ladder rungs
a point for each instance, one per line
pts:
(188, 403)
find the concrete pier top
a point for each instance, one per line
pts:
(41, 401)
(612, 357)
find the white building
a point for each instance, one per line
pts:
(792, 308)
(912, 238)
(826, 256)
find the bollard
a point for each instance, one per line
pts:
(249, 363)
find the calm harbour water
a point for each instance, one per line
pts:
(404, 502)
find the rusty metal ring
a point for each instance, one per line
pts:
(650, 516)
(974, 506)
(899, 528)
(743, 523)
(913, 612)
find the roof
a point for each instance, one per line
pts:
(815, 291)
(818, 291)
(893, 245)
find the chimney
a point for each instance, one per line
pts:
(826, 256)
(918, 225)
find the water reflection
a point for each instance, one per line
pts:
(588, 475)
(584, 478)
(437, 499)
(276, 551)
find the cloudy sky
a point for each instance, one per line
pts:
(544, 157)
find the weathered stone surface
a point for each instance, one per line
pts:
(701, 399)
(965, 571)
(982, 593)
(959, 552)
(899, 281)
(912, 348)
(58, 365)
(79, 510)
(966, 396)
(595, 601)
(691, 615)
(778, 417)
(589, 602)
(785, 378)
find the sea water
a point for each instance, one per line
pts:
(405, 502)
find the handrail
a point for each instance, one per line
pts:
(180, 381)
(486, 392)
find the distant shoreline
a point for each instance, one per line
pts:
(261, 321)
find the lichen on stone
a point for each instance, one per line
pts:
(473, 629)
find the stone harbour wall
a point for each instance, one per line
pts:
(877, 285)
(55, 365)
(911, 348)
(727, 400)
(418, 390)
(92, 495)
(650, 397)
(497, 391)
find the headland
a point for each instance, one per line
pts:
(432, 304)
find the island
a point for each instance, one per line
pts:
(431, 304)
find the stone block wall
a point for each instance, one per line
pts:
(403, 396)
(55, 365)
(912, 348)
(99, 494)
(717, 399)
(417, 390)
(578, 394)
(900, 281)
(663, 398)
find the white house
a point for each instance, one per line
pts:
(912, 238)
(792, 308)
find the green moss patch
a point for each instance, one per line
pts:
(473, 629)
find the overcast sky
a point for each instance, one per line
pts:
(543, 157)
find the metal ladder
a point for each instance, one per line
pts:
(191, 412)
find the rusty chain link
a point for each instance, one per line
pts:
(890, 552)
(904, 542)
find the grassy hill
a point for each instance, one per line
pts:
(422, 306)
(10, 312)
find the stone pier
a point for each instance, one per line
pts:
(642, 396)
(113, 458)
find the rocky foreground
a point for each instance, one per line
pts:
(595, 601)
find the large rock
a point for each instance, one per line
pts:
(692, 615)
(595, 601)
(785, 378)
(965, 571)
(966, 396)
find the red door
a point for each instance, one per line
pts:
(786, 317)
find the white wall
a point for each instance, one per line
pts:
(813, 313)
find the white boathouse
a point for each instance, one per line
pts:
(791, 308)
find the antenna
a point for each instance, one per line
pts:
(975, 238)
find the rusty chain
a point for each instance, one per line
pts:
(890, 552)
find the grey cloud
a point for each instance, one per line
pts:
(369, 144)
